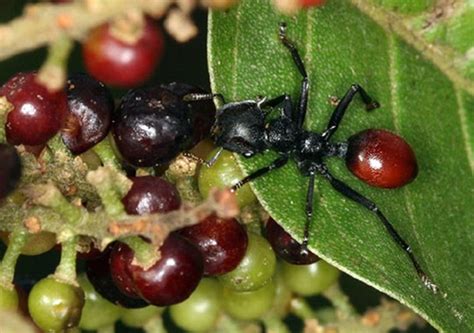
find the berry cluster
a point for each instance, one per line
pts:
(200, 271)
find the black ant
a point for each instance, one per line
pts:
(378, 157)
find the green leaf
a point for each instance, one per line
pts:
(341, 45)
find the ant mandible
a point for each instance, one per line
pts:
(241, 127)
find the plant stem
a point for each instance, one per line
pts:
(154, 325)
(300, 308)
(145, 254)
(53, 72)
(111, 186)
(106, 329)
(340, 301)
(274, 324)
(66, 270)
(73, 19)
(17, 240)
(106, 153)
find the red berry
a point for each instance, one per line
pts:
(222, 243)
(118, 63)
(150, 194)
(381, 158)
(312, 3)
(172, 278)
(37, 113)
(286, 246)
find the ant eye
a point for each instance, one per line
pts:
(381, 158)
(241, 146)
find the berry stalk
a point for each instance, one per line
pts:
(7, 267)
(66, 270)
(53, 71)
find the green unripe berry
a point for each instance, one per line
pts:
(139, 317)
(223, 174)
(8, 299)
(200, 311)
(309, 280)
(36, 244)
(255, 269)
(55, 306)
(248, 305)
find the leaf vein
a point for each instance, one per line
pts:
(464, 129)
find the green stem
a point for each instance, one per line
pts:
(66, 270)
(145, 253)
(106, 153)
(68, 211)
(53, 71)
(106, 329)
(58, 52)
(111, 186)
(300, 308)
(17, 240)
(226, 324)
(154, 325)
(340, 301)
(275, 324)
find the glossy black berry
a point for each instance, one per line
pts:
(152, 126)
(89, 114)
(202, 112)
(10, 169)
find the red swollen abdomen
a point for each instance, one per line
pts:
(381, 158)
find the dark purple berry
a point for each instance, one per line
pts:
(202, 112)
(151, 195)
(89, 114)
(121, 258)
(222, 243)
(99, 274)
(152, 126)
(172, 278)
(286, 247)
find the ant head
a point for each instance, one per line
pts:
(239, 127)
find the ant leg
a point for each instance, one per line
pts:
(202, 161)
(195, 97)
(342, 106)
(309, 209)
(304, 90)
(285, 100)
(348, 192)
(276, 164)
